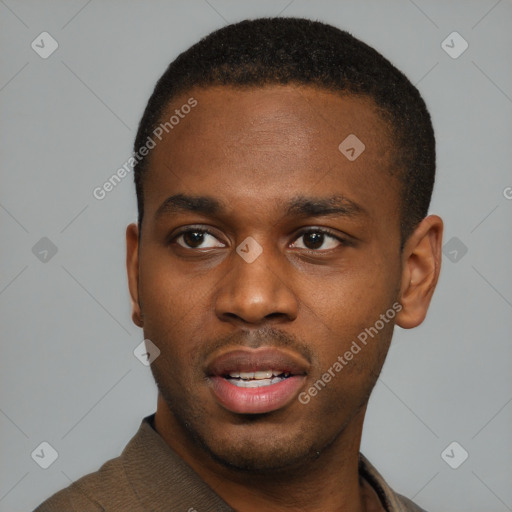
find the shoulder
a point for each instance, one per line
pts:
(391, 500)
(106, 489)
(407, 505)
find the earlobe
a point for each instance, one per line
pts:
(421, 268)
(132, 267)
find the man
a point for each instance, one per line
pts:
(283, 172)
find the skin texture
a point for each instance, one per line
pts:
(254, 150)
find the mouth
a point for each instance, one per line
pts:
(257, 381)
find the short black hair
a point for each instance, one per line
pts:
(271, 51)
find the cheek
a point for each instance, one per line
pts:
(350, 298)
(347, 369)
(170, 306)
(346, 314)
(166, 294)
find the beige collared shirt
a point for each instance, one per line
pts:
(150, 477)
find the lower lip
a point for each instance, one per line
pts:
(256, 400)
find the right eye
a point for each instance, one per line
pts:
(194, 238)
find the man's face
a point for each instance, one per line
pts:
(264, 163)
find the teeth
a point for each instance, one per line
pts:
(256, 383)
(259, 375)
(263, 375)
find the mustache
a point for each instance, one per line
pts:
(263, 337)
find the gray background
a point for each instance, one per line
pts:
(68, 373)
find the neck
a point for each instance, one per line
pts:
(330, 482)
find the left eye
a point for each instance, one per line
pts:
(315, 240)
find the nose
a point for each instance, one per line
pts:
(256, 293)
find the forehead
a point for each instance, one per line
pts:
(268, 142)
(293, 114)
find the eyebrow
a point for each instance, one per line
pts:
(299, 206)
(328, 206)
(181, 203)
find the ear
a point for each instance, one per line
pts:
(421, 264)
(132, 267)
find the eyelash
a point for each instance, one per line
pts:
(301, 233)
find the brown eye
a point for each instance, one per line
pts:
(197, 239)
(317, 240)
(193, 238)
(313, 240)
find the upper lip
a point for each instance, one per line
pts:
(253, 360)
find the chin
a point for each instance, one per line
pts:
(256, 451)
